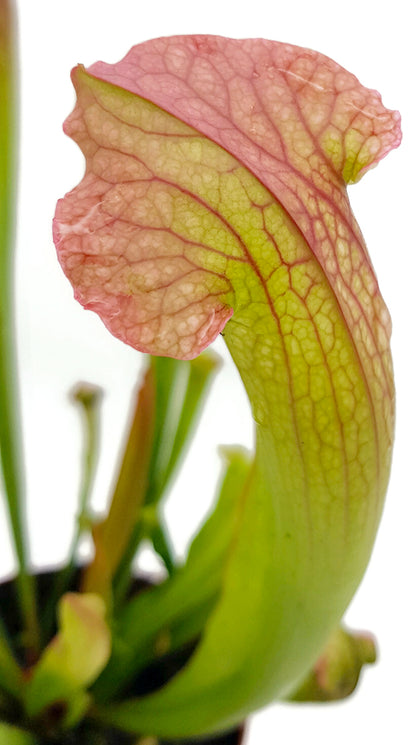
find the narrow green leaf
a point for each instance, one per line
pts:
(171, 380)
(124, 575)
(10, 435)
(113, 534)
(180, 394)
(179, 608)
(163, 546)
(180, 388)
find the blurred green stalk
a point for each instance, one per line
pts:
(10, 438)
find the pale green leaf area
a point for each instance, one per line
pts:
(203, 246)
(73, 659)
(175, 612)
(10, 735)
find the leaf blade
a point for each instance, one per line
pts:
(73, 659)
(240, 217)
(112, 535)
(171, 608)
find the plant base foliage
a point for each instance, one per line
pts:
(87, 733)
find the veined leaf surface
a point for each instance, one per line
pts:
(214, 200)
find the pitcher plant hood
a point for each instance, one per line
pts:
(214, 200)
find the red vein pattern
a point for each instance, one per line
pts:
(302, 124)
(215, 192)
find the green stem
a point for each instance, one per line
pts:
(88, 397)
(10, 438)
(162, 546)
(149, 526)
(122, 577)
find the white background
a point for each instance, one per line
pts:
(59, 343)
